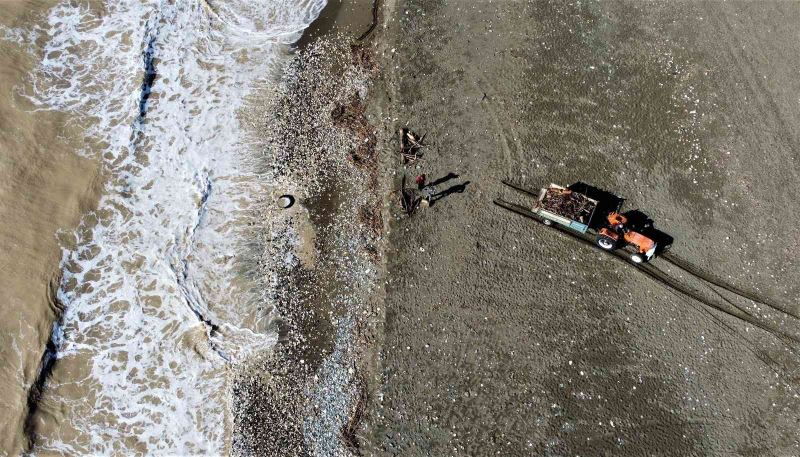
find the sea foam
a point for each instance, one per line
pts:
(154, 309)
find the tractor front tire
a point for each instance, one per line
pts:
(547, 222)
(637, 258)
(605, 242)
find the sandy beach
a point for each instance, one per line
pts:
(503, 337)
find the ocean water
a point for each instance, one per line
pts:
(156, 309)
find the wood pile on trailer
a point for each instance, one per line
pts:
(569, 204)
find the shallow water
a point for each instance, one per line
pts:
(156, 309)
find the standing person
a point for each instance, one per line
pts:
(420, 179)
(428, 192)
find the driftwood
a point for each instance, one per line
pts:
(569, 204)
(350, 428)
(351, 116)
(411, 145)
(408, 198)
(362, 56)
(375, 5)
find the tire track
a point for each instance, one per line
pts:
(750, 295)
(777, 367)
(726, 307)
(511, 150)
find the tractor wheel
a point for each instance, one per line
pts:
(547, 222)
(637, 258)
(606, 242)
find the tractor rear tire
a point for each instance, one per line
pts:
(605, 242)
(637, 258)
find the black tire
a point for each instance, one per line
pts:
(286, 201)
(606, 242)
(637, 258)
(547, 222)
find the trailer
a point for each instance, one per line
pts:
(566, 207)
(558, 204)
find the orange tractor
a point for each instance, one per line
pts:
(618, 232)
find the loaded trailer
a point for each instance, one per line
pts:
(566, 207)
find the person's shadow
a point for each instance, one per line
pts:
(443, 179)
(457, 189)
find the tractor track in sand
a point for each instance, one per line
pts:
(699, 274)
(725, 305)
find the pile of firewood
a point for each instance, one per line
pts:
(568, 204)
(411, 145)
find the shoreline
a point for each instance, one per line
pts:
(308, 388)
(79, 196)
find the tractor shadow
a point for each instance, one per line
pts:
(608, 202)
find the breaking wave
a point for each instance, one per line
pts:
(154, 308)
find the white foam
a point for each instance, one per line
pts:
(158, 257)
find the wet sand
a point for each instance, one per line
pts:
(299, 399)
(502, 337)
(44, 187)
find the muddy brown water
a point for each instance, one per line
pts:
(44, 187)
